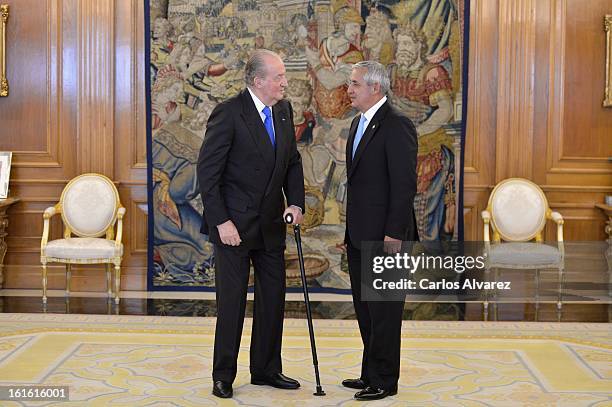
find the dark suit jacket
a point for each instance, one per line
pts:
(242, 177)
(382, 179)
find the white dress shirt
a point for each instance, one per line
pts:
(368, 116)
(259, 105)
(372, 111)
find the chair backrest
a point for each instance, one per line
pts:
(518, 210)
(89, 205)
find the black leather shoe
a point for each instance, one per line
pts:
(222, 389)
(278, 380)
(373, 393)
(354, 383)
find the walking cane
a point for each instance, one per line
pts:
(313, 347)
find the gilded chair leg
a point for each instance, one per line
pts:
(537, 286)
(537, 296)
(560, 296)
(44, 283)
(68, 278)
(560, 292)
(109, 281)
(117, 282)
(495, 278)
(485, 304)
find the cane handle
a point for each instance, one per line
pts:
(289, 218)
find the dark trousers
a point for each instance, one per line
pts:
(231, 279)
(380, 325)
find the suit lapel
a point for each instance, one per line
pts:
(350, 141)
(368, 135)
(256, 128)
(282, 130)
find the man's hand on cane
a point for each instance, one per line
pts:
(296, 213)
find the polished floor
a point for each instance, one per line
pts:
(328, 309)
(583, 293)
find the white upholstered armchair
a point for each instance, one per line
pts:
(516, 214)
(89, 207)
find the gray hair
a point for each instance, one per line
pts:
(376, 73)
(256, 65)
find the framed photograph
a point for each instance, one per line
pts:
(5, 172)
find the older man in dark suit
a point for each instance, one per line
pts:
(381, 156)
(248, 160)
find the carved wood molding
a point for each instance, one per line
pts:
(95, 106)
(478, 187)
(515, 99)
(139, 136)
(557, 160)
(139, 226)
(50, 157)
(130, 111)
(576, 188)
(589, 205)
(475, 89)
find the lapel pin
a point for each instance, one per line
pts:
(373, 127)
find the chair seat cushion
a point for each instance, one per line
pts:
(83, 248)
(524, 254)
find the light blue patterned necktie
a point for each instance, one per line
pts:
(359, 134)
(268, 124)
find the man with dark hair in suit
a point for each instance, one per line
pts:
(248, 159)
(381, 155)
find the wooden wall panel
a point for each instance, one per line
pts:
(576, 137)
(480, 145)
(95, 100)
(515, 99)
(23, 124)
(587, 125)
(482, 89)
(38, 116)
(545, 116)
(576, 141)
(130, 112)
(76, 105)
(476, 199)
(130, 137)
(76, 69)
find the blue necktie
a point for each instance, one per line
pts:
(359, 134)
(268, 123)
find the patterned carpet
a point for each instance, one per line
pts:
(163, 361)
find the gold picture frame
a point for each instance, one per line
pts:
(4, 13)
(608, 89)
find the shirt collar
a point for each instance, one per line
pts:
(259, 105)
(372, 111)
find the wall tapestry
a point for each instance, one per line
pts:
(197, 50)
